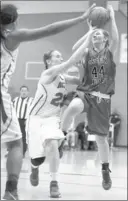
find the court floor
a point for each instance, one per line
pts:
(80, 177)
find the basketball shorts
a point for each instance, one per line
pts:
(98, 113)
(10, 129)
(39, 132)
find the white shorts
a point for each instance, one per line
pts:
(10, 129)
(39, 131)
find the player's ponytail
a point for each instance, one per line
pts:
(106, 35)
(46, 57)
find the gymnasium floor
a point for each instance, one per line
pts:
(80, 177)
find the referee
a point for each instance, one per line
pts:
(22, 105)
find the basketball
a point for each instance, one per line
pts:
(99, 17)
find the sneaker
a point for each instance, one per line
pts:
(11, 195)
(107, 182)
(34, 176)
(54, 190)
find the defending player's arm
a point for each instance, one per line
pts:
(52, 29)
(51, 73)
(114, 31)
(74, 80)
(82, 39)
(80, 42)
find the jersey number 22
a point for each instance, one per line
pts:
(57, 100)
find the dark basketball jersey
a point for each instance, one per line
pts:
(99, 72)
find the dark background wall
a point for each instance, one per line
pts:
(33, 51)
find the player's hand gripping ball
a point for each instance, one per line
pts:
(99, 16)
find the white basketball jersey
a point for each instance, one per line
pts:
(48, 98)
(8, 64)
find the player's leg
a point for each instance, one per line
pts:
(52, 153)
(35, 147)
(34, 176)
(83, 140)
(75, 108)
(103, 145)
(37, 133)
(98, 122)
(13, 166)
(11, 134)
(103, 148)
(22, 127)
(36, 162)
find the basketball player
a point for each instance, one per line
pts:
(94, 94)
(45, 137)
(11, 37)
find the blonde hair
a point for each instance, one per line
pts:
(106, 35)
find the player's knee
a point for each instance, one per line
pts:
(76, 106)
(37, 161)
(101, 140)
(52, 146)
(17, 143)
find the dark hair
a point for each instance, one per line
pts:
(24, 86)
(8, 15)
(46, 57)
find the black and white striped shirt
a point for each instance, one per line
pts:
(22, 106)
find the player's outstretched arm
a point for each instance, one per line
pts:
(80, 42)
(74, 80)
(77, 55)
(82, 39)
(114, 31)
(52, 29)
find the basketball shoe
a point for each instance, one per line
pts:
(54, 190)
(34, 176)
(13, 195)
(107, 182)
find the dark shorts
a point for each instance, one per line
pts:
(98, 114)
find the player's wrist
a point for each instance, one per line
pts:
(112, 16)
